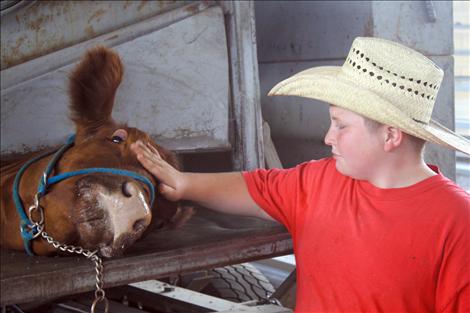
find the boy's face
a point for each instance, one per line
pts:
(356, 149)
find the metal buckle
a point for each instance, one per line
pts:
(41, 214)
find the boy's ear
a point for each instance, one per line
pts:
(393, 137)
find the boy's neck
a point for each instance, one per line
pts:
(401, 174)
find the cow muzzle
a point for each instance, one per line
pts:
(112, 214)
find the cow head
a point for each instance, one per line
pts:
(109, 211)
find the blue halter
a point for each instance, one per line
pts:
(28, 229)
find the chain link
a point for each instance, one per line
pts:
(38, 208)
(100, 295)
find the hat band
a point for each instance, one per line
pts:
(418, 121)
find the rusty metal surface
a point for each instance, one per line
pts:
(208, 240)
(201, 83)
(47, 26)
(247, 132)
(175, 87)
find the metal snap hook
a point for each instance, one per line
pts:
(41, 214)
(36, 199)
(96, 301)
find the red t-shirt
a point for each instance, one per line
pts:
(360, 248)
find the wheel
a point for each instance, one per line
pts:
(236, 283)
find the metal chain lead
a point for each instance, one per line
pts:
(92, 255)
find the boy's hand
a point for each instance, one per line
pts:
(171, 180)
(223, 192)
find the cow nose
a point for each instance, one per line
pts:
(130, 189)
(141, 225)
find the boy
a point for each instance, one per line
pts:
(374, 228)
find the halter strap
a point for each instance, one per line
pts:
(27, 229)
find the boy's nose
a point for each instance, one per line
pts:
(329, 137)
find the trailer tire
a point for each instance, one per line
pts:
(239, 283)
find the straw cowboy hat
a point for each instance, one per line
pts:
(384, 81)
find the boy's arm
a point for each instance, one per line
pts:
(223, 192)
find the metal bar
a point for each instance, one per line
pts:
(25, 279)
(430, 11)
(189, 296)
(286, 286)
(247, 128)
(213, 304)
(23, 72)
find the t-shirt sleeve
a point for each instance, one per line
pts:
(453, 288)
(460, 303)
(283, 192)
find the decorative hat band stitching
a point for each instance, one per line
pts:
(418, 81)
(387, 81)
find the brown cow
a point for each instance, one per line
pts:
(96, 210)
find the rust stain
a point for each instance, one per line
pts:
(142, 5)
(11, 59)
(90, 31)
(97, 15)
(18, 43)
(66, 9)
(36, 24)
(32, 10)
(193, 9)
(127, 4)
(32, 46)
(7, 61)
(17, 57)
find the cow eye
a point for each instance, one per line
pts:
(119, 136)
(117, 139)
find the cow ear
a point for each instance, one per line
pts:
(92, 88)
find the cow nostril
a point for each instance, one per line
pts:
(129, 189)
(140, 225)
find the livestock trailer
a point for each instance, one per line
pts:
(191, 82)
(194, 72)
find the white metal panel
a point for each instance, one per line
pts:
(247, 133)
(425, 26)
(309, 30)
(175, 85)
(36, 28)
(296, 35)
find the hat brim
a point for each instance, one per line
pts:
(325, 83)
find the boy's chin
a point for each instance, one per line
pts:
(343, 169)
